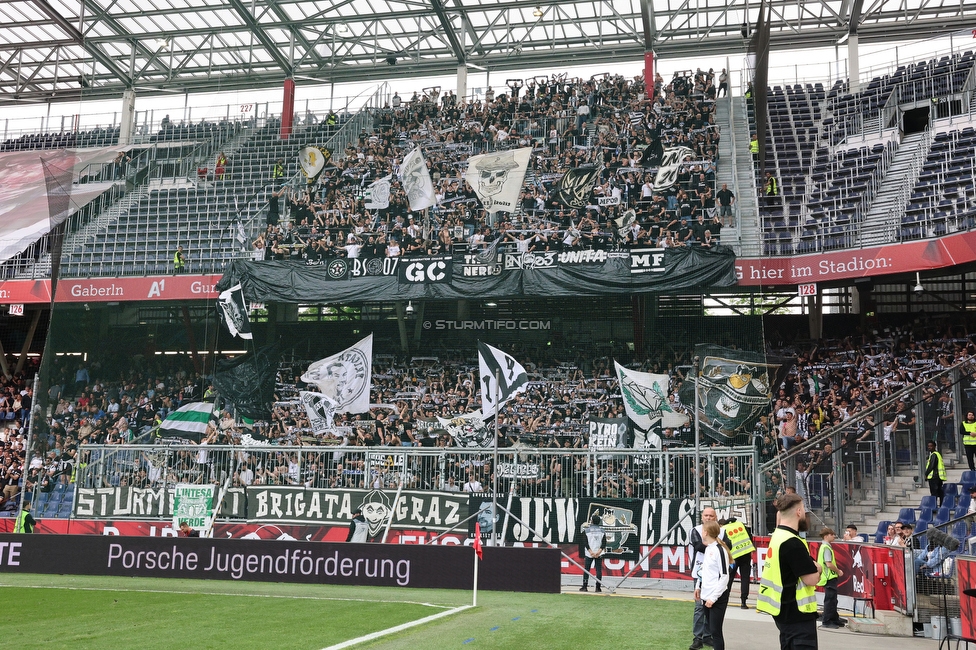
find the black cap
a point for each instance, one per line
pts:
(357, 511)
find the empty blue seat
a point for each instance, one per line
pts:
(879, 534)
(950, 488)
(906, 515)
(961, 531)
(928, 503)
(949, 502)
(968, 477)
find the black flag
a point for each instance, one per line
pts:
(234, 309)
(759, 48)
(573, 189)
(249, 381)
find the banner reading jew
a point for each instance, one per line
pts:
(632, 522)
(438, 511)
(193, 504)
(497, 178)
(736, 386)
(645, 398)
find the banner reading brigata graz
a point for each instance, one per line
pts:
(415, 509)
(474, 275)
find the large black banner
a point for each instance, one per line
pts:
(438, 511)
(143, 503)
(392, 565)
(573, 273)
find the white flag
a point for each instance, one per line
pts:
(667, 173)
(345, 378)
(468, 430)
(497, 178)
(377, 196)
(415, 178)
(646, 402)
(512, 378)
(320, 410)
(234, 308)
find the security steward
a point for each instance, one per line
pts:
(787, 589)
(935, 472)
(968, 431)
(828, 579)
(278, 174)
(25, 522)
(741, 548)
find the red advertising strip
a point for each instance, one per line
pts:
(857, 263)
(170, 287)
(871, 571)
(966, 572)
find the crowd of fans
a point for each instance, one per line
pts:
(828, 383)
(607, 121)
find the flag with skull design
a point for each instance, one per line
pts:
(735, 389)
(497, 178)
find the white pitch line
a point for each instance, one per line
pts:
(398, 628)
(221, 593)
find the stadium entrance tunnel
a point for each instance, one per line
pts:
(916, 120)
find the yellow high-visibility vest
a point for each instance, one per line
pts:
(826, 574)
(770, 599)
(739, 542)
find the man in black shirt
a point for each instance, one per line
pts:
(725, 200)
(797, 630)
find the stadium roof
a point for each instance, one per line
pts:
(67, 49)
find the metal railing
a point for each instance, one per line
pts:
(876, 443)
(528, 472)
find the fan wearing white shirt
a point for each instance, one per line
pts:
(713, 582)
(473, 485)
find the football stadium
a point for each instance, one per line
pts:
(487, 324)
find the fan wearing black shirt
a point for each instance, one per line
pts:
(797, 630)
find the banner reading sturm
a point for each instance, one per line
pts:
(121, 502)
(432, 510)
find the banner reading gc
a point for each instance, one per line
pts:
(415, 509)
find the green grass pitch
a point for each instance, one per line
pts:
(80, 612)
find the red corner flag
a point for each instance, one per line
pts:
(477, 541)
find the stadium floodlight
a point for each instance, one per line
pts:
(538, 12)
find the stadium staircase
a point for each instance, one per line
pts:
(884, 218)
(740, 175)
(901, 491)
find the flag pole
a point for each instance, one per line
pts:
(474, 595)
(494, 461)
(696, 368)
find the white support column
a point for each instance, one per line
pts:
(127, 127)
(462, 82)
(853, 67)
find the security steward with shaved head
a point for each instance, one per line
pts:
(787, 589)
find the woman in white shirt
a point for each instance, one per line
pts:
(713, 582)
